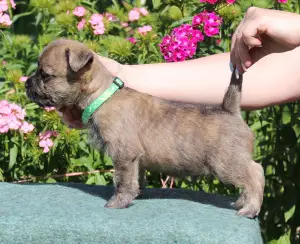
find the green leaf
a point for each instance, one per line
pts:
(100, 179)
(83, 146)
(31, 68)
(1, 175)
(115, 2)
(263, 3)
(284, 239)
(38, 18)
(90, 180)
(17, 16)
(55, 143)
(82, 161)
(87, 3)
(15, 66)
(175, 13)
(31, 106)
(50, 180)
(13, 153)
(289, 214)
(258, 125)
(156, 3)
(2, 82)
(179, 22)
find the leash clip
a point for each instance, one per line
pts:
(118, 82)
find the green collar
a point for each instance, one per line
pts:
(90, 109)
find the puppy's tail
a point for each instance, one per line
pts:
(232, 98)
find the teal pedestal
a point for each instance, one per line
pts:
(75, 213)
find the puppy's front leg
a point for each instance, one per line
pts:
(126, 184)
(142, 179)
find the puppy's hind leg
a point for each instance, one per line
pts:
(253, 191)
(250, 177)
(126, 184)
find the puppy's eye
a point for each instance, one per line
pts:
(44, 75)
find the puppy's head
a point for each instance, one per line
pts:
(65, 69)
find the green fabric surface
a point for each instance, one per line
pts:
(74, 213)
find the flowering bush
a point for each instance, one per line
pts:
(5, 20)
(34, 141)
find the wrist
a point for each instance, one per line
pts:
(120, 70)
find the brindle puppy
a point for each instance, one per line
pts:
(142, 132)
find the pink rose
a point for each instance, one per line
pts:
(110, 17)
(5, 108)
(132, 40)
(144, 29)
(26, 127)
(124, 24)
(96, 19)
(79, 11)
(5, 20)
(99, 30)
(45, 140)
(81, 24)
(143, 11)
(133, 14)
(23, 79)
(211, 30)
(3, 6)
(13, 4)
(46, 144)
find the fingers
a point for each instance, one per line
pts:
(239, 55)
(243, 57)
(245, 37)
(251, 32)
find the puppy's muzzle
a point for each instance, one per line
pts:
(28, 83)
(35, 96)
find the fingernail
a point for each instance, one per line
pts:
(244, 67)
(237, 74)
(231, 67)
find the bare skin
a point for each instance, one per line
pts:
(272, 30)
(273, 78)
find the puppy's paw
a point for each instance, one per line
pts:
(240, 202)
(118, 202)
(249, 210)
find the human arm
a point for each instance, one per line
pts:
(274, 79)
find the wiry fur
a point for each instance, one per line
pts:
(142, 132)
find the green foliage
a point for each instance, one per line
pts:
(38, 22)
(118, 48)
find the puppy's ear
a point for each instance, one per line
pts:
(78, 59)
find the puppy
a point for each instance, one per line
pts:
(141, 132)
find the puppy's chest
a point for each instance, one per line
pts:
(95, 139)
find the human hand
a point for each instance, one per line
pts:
(262, 32)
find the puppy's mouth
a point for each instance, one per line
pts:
(71, 115)
(42, 102)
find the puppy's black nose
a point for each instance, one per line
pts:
(28, 83)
